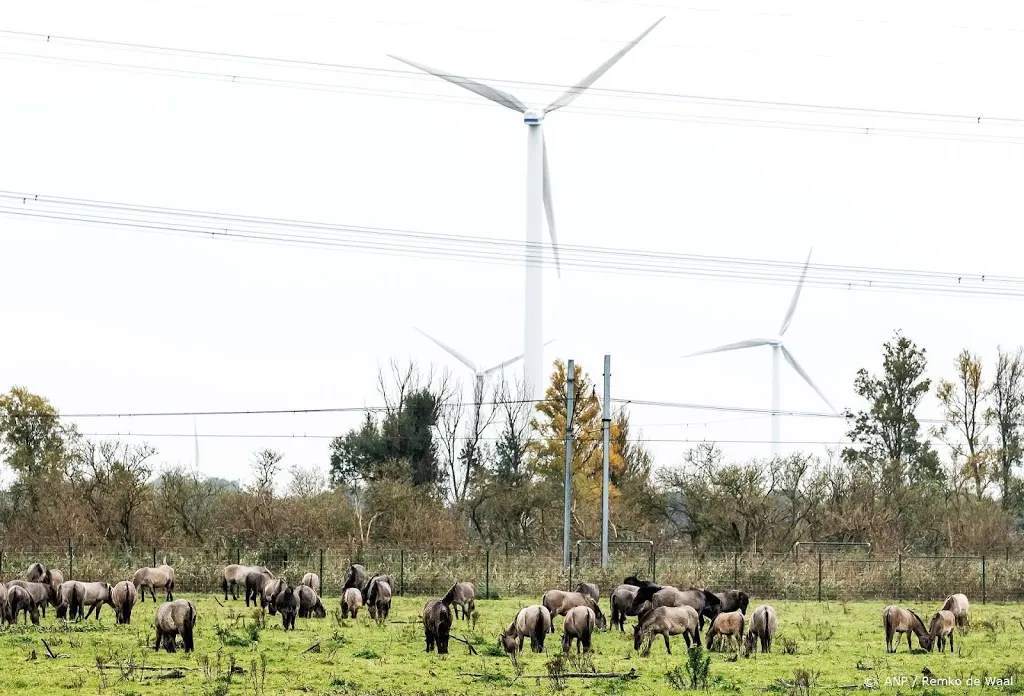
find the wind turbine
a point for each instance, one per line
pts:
(480, 376)
(538, 195)
(778, 348)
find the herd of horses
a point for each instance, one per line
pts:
(660, 610)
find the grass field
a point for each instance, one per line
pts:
(835, 645)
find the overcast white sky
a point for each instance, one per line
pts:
(101, 320)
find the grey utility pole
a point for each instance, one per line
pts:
(570, 396)
(606, 425)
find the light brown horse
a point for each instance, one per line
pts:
(559, 602)
(959, 607)
(899, 620)
(943, 624)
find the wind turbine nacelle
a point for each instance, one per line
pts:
(533, 117)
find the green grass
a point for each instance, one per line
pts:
(836, 645)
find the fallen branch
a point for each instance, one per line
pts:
(176, 674)
(49, 652)
(315, 647)
(146, 668)
(217, 600)
(631, 674)
(472, 650)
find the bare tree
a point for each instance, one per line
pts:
(962, 403)
(1006, 414)
(116, 485)
(188, 499)
(265, 465)
(307, 483)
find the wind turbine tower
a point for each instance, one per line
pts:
(538, 197)
(778, 350)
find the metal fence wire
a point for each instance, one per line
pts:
(821, 575)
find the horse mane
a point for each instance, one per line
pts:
(645, 593)
(450, 597)
(923, 624)
(710, 598)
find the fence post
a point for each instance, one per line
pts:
(654, 563)
(71, 560)
(154, 558)
(401, 572)
(1, 563)
(899, 577)
(487, 577)
(238, 556)
(322, 583)
(984, 594)
(735, 569)
(819, 576)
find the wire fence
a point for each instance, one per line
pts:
(496, 572)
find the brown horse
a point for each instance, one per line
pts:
(899, 620)
(943, 624)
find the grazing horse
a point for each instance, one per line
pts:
(705, 602)
(666, 621)
(621, 601)
(943, 624)
(729, 624)
(559, 603)
(437, 624)
(589, 589)
(234, 575)
(763, 624)
(958, 605)
(461, 595)
(899, 620)
(533, 621)
(161, 577)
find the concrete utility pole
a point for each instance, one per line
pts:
(606, 425)
(570, 397)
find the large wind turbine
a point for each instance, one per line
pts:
(480, 376)
(538, 196)
(777, 349)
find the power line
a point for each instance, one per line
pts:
(380, 240)
(304, 436)
(839, 128)
(623, 403)
(553, 87)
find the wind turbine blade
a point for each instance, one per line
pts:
(549, 208)
(796, 366)
(590, 79)
(796, 296)
(510, 361)
(486, 91)
(749, 343)
(451, 351)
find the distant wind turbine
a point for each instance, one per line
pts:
(777, 349)
(480, 376)
(538, 196)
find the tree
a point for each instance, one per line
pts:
(116, 485)
(401, 444)
(961, 401)
(34, 443)
(888, 433)
(548, 451)
(188, 500)
(1006, 414)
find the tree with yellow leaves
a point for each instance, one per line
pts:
(547, 452)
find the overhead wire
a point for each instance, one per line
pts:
(552, 87)
(623, 403)
(221, 226)
(595, 438)
(616, 112)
